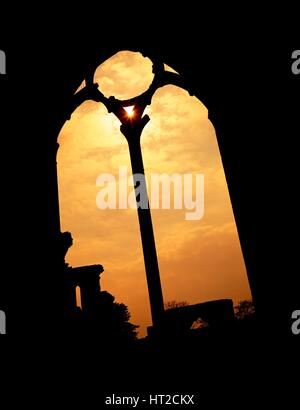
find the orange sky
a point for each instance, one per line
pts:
(199, 260)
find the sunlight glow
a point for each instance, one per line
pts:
(129, 110)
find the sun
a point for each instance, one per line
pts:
(129, 110)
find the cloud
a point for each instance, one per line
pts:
(124, 75)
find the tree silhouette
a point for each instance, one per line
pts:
(122, 317)
(114, 319)
(244, 309)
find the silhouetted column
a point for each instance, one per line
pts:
(132, 132)
(88, 278)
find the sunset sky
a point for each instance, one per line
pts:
(199, 260)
